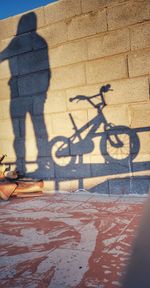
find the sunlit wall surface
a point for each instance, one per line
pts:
(74, 95)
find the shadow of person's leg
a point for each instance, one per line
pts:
(41, 136)
(19, 145)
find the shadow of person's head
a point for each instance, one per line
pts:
(28, 22)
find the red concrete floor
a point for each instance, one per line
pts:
(67, 240)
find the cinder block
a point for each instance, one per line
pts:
(8, 148)
(37, 147)
(140, 124)
(113, 169)
(38, 42)
(39, 157)
(86, 25)
(34, 83)
(4, 43)
(141, 165)
(17, 45)
(12, 166)
(62, 124)
(4, 88)
(108, 44)
(144, 138)
(128, 14)
(56, 102)
(84, 158)
(140, 36)
(139, 63)
(33, 61)
(62, 10)
(45, 169)
(6, 28)
(29, 21)
(40, 15)
(139, 121)
(128, 91)
(83, 90)
(43, 147)
(8, 68)
(31, 149)
(140, 185)
(49, 186)
(68, 53)
(96, 155)
(4, 109)
(39, 104)
(118, 115)
(143, 158)
(69, 186)
(34, 127)
(119, 118)
(73, 172)
(69, 76)
(20, 106)
(48, 171)
(93, 119)
(65, 160)
(49, 125)
(7, 129)
(119, 186)
(3, 48)
(92, 5)
(107, 69)
(101, 188)
(80, 147)
(31, 169)
(53, 34)
(8, 88)
(96, 184)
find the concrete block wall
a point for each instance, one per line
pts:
(69, 48)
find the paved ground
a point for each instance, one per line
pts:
(67, 240)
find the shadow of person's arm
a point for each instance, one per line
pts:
(3, 55)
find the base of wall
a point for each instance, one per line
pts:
(139, 185)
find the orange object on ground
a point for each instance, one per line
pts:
(20, 188)
(7, 189)
(28, 189)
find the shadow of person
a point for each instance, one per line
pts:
(27, 54)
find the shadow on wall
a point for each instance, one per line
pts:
(119, 146)
(30, 79)
(62, 158)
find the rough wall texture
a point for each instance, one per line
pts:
(69, 48)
